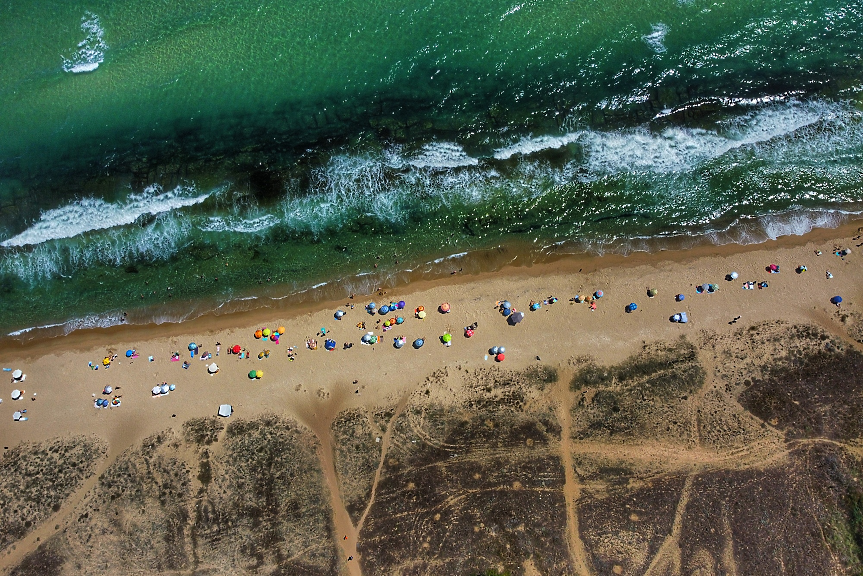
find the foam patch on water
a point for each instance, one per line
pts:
(442, 155)
(91, 214)
(656, 38)
(91, 50)
(241, 225)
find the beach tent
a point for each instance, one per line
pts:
(225, 410)
(683, 318)
(212, 368)
(535, 306)
(444, 308)
(16, 394)
(16, 416)
(418, 343)
(516, 317)
(836, 300)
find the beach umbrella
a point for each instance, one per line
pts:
(501, 350)
(705, 287)
(384, 310)
(516, 317)
(259, 334)
(401, 304)
(632, 307)
(171, 387)
(500, 357)
(236, 349)
(418, 343)
(774, 268)
(675, 318)
(16, 416)
(266, 332)
(329, 344)
(252, 374)
(129, 353)
(420, 308)
(387, 324)
(156, 390)
(446, 338)
(274, 338)
(16, 394)
(652, 292)
(398, 342)
(494, 350)
(107, 390)
(421, 314)
(17, 374)
(680, 297)
(733, 275)
(339, 314)
(193, 346)
(598, 294)
(400, 320)
(165, 388)
(281, 330)
(259, 374)
(373, 339)
(212, 368)
(836, 300)
(444, 308)
(468, 332)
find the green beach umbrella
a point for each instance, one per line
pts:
(252, 374)
(446, 337)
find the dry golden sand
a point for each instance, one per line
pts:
(320, 384)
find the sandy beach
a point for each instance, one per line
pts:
(318, 387)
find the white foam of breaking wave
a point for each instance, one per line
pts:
(656, 38)
(91, 214)
(91, 50)
(674, 148)
(242, 225)
(442, 155)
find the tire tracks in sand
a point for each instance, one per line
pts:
(571, 485)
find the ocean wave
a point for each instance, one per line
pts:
(676, 149)
(442, 155)
(91, 214)
(91, 50)
(241, 225)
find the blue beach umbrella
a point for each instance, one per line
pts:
(329, 344)
(418, 343)
(836, 300)
(129, 353)
(384, 309)
(193, 346)
(338, 315)
(632, 307)
(398, 342)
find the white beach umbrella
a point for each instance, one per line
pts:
(16, 394)
(16, 416)
(16, 374)
(212, 368)
(157, 390)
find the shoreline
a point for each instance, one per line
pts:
(515, 259)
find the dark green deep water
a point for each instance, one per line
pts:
(279, 145)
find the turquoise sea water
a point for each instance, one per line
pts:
(167, 159)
